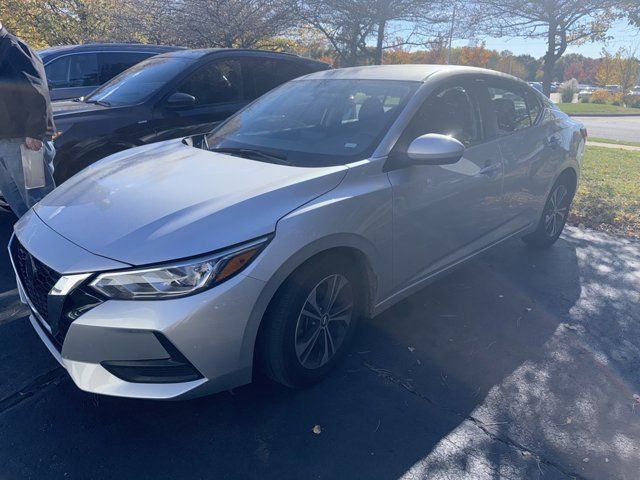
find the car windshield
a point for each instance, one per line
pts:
(316, 122)
(139, 82)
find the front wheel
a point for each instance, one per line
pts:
(310, 322)
(554, 216)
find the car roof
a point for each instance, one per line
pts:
(106, 47)
(411, 73)
(198, 53)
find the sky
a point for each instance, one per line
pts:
(623, 35)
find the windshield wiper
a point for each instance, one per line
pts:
(253, 154)
(103, 103)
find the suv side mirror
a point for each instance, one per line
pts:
(435, 149)
(180, 100)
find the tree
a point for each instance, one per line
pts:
(60, 22)
(351, 26)
(531, 65)
(346, 24)
(477, 56)
(234, 23)
(560, 22)
(575, 70)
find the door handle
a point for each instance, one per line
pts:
(490, 169)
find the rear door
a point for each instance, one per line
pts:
(444, 213)
(528, 146)
(218, 89)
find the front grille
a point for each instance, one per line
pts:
(37, 279)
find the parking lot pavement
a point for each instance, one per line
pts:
(519, 365)
(615, 128)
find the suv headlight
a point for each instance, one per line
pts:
(177, 279)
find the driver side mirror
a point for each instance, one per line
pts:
(435, 149)
(180, 100)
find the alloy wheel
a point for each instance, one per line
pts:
(557, 210)
(324, 321)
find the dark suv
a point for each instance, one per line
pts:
(168, 96)
(77, 70)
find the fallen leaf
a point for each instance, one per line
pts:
(568, 421)
(418, 362)
(317, 429)
(585, 459)
(411, 349)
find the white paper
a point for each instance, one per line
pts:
(33, 167)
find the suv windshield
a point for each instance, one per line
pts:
(317, 122)
(139, 82)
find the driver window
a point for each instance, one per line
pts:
(449, 111)
(511, 109)
(218, 82)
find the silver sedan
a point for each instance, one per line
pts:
(174, 270)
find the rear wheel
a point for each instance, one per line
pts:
(310, 322)
(554, 216)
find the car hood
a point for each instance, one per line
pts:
(168, 200)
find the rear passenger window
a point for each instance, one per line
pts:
(57, 72)
(535, 106)
(267, 74)
(511, 109)
(79, 70)
(112, 64)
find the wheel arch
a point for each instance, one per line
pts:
(356, 248)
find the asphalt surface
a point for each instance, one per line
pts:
(519, 365)
(614, 128)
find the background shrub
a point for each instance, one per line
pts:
(632, 101)
(600, 96)
(568, 89)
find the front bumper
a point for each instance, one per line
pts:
(208, 331)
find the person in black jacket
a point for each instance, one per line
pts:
(25, 118)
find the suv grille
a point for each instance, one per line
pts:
(36, 278)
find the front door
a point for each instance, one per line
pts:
(218, 91)
(444, 213)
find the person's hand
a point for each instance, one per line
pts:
(33, 143)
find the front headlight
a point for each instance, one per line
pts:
(177, 279)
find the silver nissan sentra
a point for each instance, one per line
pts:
(177, 269)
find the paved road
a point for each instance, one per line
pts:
(520, 365)
(615, 128)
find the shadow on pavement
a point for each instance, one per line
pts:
(517, 365)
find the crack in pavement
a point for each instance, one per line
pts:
(52, 377)
(524, 451)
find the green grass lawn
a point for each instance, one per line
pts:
(615, 142)
(595, 109)
(609, 194)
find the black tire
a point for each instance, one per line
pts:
(551, 225)
(284, 324)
